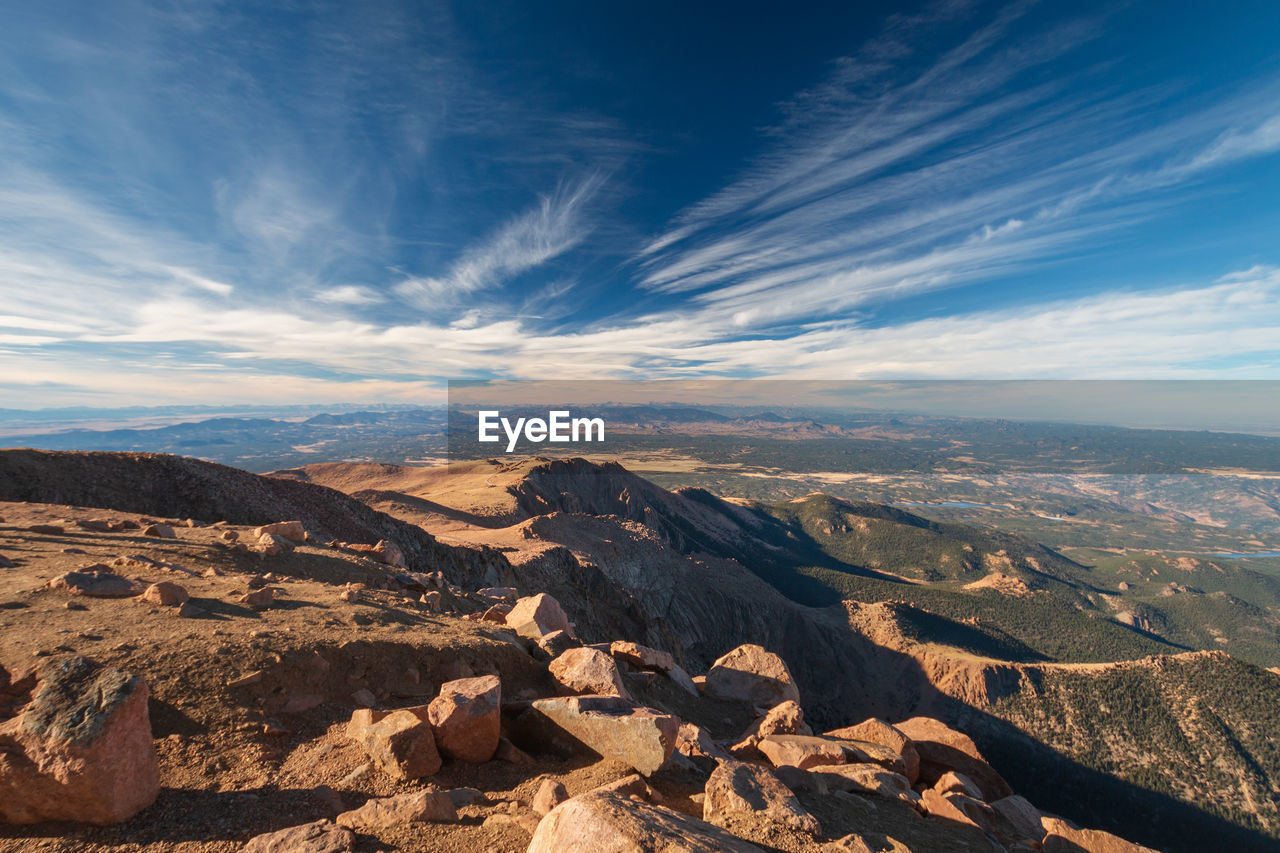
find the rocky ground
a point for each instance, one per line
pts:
(179, 685)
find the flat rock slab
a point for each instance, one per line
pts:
(609, 726)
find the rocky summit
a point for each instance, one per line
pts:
(294, 670)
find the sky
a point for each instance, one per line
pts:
(271, 203)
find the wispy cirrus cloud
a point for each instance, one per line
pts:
(349, 294)
(550, 228)
(890, 180)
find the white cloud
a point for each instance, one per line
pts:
(349, 294)
(549, 229)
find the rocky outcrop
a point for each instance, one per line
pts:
(80, 746)
(178, 487)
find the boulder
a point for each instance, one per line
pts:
(587, 671)
(536, 616)
(466, 717)
(602, 822)
(80, 749)
(683, 681)
(258, 599)
(556, 643)
(96, 582)
(865, 779)
(694, 741)
(631, 786)
(801, 751)
(292, 531)
(1017, 820)
(865, 842)
(875, 730)
(642, 657)
(46, 529)
(431, 805)
(959, 808)
(752, 674)
(550, 794)
(361, 719)
(321, 836)
(738, 787)
(785, 718)
(952, 782)
(166, 594)
(159, 531)
(387, 553)
(403, 745)
(1062, 837)
(942, 748)
(273, 545)
(609, 726)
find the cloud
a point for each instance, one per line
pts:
(349, 294)
(892, 179)
(551, 228)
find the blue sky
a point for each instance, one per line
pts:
(275, 203)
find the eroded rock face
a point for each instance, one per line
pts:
(80, 749)
(737, 787)
(536, 616)
(875, 730)
(466, 717)
(320, 836)
(609, 726)
(605, 822)
(587, 671)
(752, 674)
